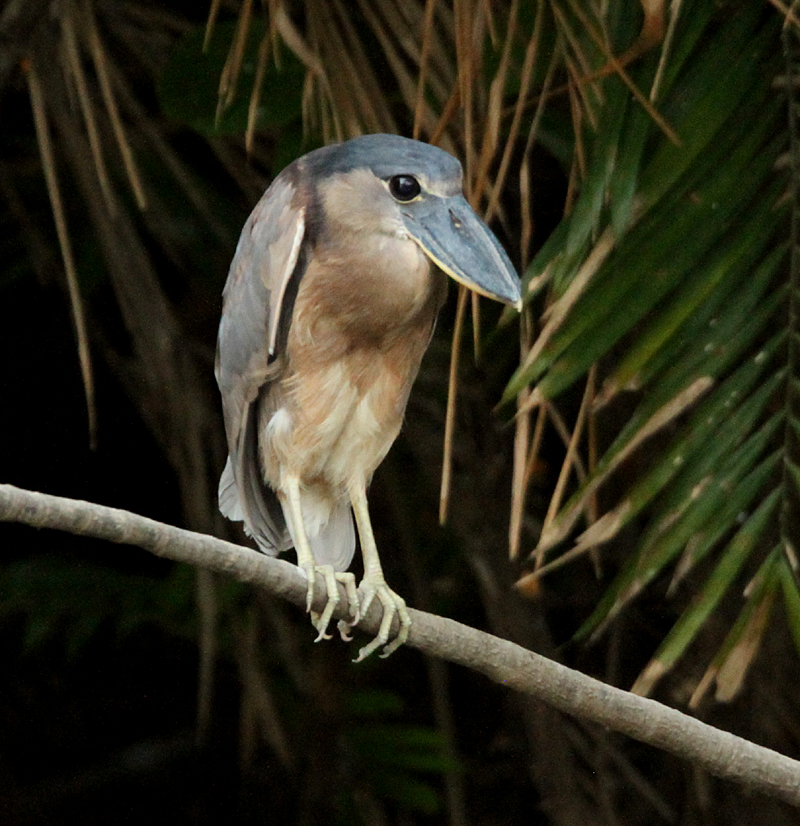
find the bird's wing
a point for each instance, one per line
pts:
(266, 257)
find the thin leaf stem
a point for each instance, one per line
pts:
(65, 245)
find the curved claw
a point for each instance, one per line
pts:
(321, 623)
(349, 581)
(309, 571)
(344, 630)
(344, 626)
(316, 621)
(331, 577)
(393, 604)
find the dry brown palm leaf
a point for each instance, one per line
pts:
(64, 243)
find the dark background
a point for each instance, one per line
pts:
(99, 680)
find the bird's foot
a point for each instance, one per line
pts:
(331, 577)
(393, 605)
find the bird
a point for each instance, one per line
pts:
(329, 305)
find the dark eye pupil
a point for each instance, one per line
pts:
(404, 187)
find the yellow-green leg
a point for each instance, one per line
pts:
(307, 563)
(374, 585)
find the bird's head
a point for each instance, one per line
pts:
(417, 188)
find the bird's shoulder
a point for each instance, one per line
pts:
(266, 258)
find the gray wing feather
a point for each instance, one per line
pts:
(265, 259)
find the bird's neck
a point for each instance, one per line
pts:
(377, 286)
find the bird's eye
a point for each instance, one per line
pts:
(404, 187)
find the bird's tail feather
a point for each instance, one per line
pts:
(335, 544)
(244, 497)
(330, 530)
(229, 504)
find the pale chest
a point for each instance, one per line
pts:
(337, 420)
(338, 407)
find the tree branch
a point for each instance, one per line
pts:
(721, 753)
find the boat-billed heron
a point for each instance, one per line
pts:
(329, 305)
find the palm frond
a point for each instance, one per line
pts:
(673, 274)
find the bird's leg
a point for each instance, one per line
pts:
(305, 559)
(373, 584)
(307, 563)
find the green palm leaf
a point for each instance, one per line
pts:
(673, 274)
